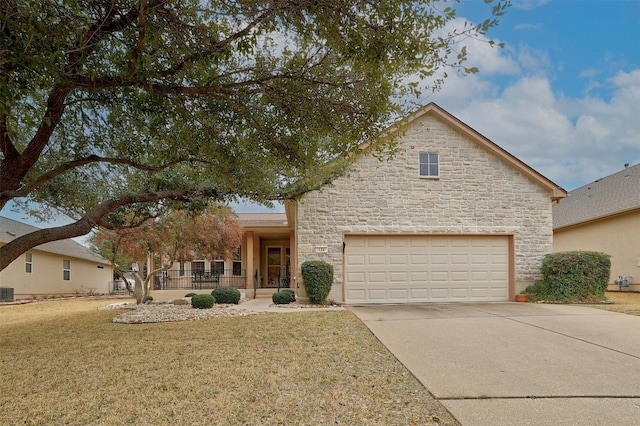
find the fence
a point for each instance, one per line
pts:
(185, 279)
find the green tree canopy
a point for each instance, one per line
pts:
(118, 109)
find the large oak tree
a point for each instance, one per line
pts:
(113, 110)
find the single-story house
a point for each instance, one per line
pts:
(63, 267)
(452, 217)
(604, 216)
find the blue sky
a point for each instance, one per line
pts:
(563, 95)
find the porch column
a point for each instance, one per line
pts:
(249, 267)
(292, 259)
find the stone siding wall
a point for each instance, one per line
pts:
(475, 193)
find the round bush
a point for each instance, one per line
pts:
(281, 298)
(318, 278)
(190, 294)
(148, 299)
(226, 295)
(291, 292)
(202, 301)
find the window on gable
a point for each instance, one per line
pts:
(429, 164)
(66, 270)
(28, 263)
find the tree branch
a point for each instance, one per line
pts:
(7, 147)
(69, 165)
(10, 251)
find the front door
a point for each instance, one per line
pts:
(274, 265)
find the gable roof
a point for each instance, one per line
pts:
(556, 191)
(11, 229)
(612, 195)
(258, 220)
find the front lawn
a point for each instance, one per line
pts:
(623, 301)
(65, 362)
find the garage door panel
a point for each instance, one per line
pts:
(398, 259)
(479, 259)
(440, 294)
(459, 259)
(398, 277)
(377, 277)
(356, 277)
(398, 294)
(376, 242)
(419, 293)
(378, 295)
(355, 294)
(398, 269)
(439, 259)
(355, 259)
(376, 259)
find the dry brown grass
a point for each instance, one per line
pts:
(65, 362)
(623, 301)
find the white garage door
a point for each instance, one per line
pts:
(409, 269)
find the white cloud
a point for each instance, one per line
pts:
(572, 141)
(528, 4)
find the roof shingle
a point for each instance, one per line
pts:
(11, 229)
(611, 195)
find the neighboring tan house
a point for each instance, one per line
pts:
(58, 268)
(604, 216)
(451, 217)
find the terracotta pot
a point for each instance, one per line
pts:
(521, 297)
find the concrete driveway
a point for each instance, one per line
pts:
(518, 363)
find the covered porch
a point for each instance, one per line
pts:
(264, 263)
(268, 251)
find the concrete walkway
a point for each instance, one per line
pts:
(265, 304)
(518, 363)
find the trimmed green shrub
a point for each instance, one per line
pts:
(318, 278)
(226, 295)
(148, 299)
(281, 298)
(290, 292)
(573, 276)
(190, 294)
(202, 301)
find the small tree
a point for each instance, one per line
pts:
(318, 278)
(165, 240)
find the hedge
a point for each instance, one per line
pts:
(573, 276)
(318, 278)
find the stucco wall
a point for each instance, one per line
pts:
(476, 193)
(617, 236)
(46, 276)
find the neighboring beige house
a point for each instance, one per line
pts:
(57, 268)
(451, 217)
(604, 216)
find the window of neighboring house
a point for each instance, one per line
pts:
(197, 267)
(429, 164)
(181, 268)
(66, 270)
(237, 262)
(28, 263)
(217, 267)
